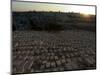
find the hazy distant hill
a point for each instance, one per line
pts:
(52, 21)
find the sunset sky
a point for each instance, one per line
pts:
(30, 6)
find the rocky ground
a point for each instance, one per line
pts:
(39, 51)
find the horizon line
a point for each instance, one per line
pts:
(55, 12)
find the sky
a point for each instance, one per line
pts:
(31, 6)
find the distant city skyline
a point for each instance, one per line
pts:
(35, 6)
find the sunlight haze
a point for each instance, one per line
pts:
(31, 6)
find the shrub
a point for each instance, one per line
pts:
(54, 26)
